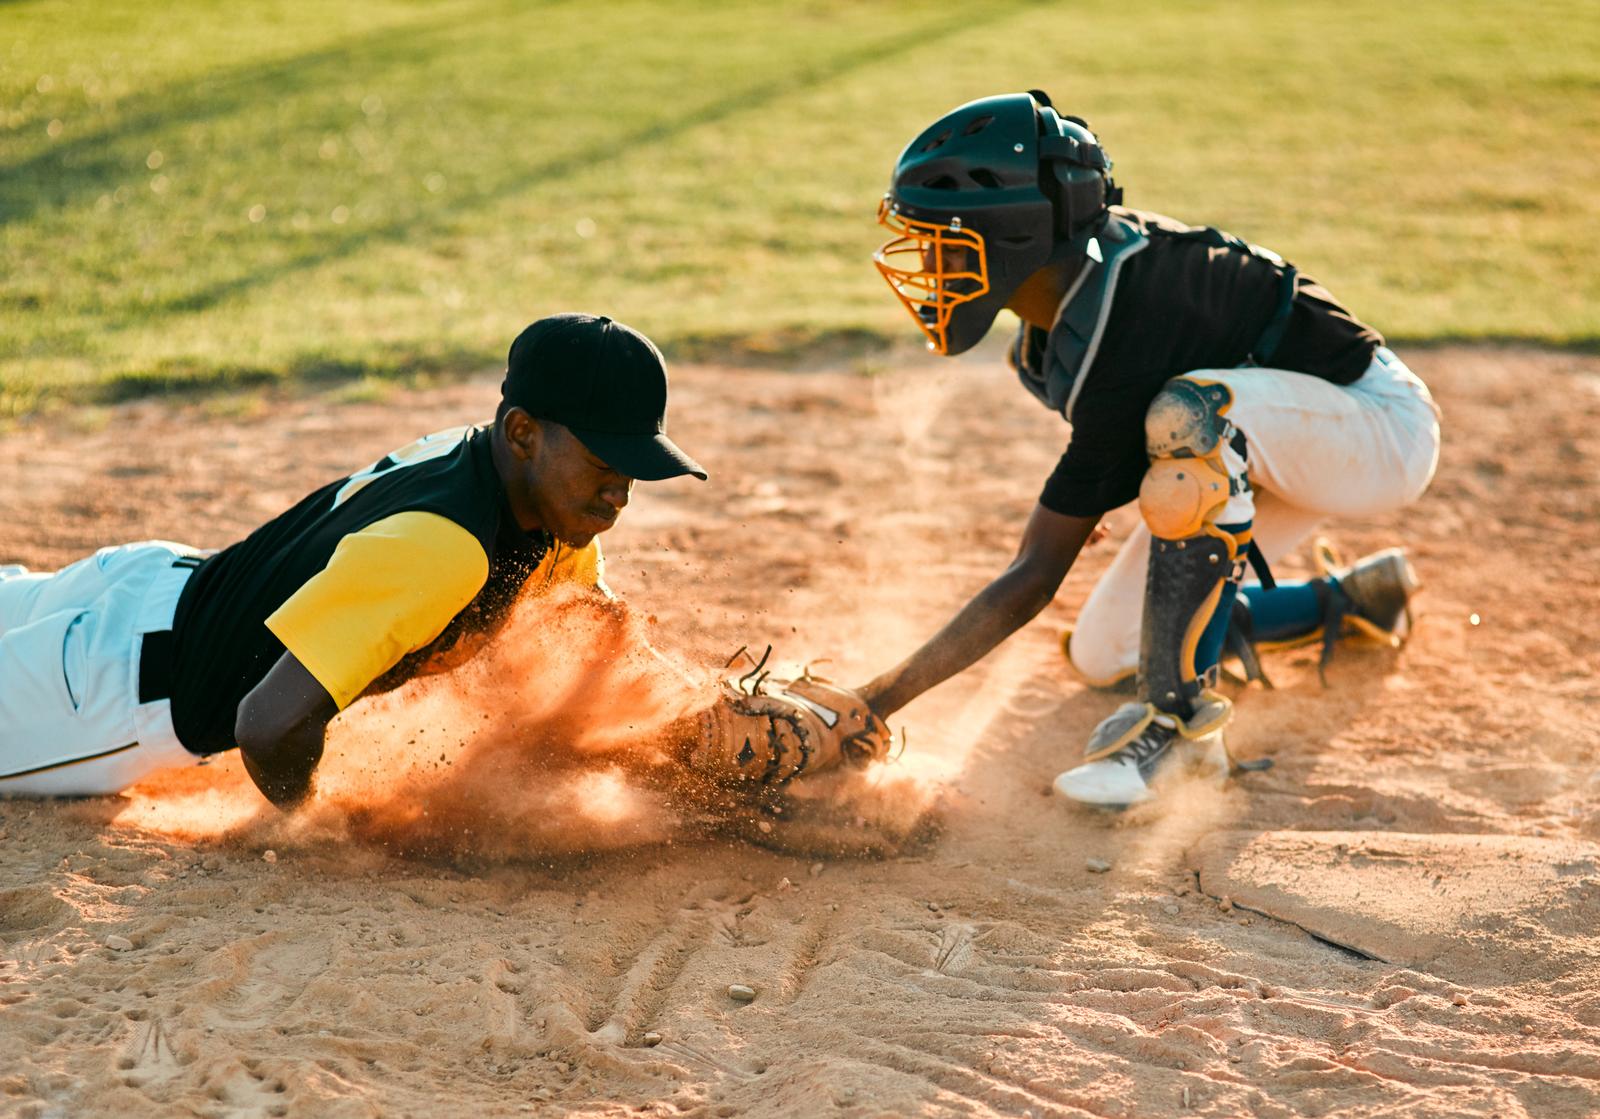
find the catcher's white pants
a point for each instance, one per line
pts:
(1316, 449)
(71, 723)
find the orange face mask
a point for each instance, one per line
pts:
(951, 268)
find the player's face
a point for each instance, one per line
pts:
(576, 496)
(954, 258)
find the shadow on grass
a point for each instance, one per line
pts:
(192, 377)
(796, 348)
(516, 177)
(98, 162)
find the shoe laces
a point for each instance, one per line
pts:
(1150, 745)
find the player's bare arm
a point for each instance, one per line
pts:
(281, 727)
(1050, 544)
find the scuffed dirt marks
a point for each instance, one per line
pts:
(569, 942)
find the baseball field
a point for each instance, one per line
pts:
(248, 250)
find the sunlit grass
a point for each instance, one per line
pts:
(231, 194)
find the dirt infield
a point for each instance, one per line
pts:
(1399, 918)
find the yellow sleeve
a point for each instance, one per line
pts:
(388, 590)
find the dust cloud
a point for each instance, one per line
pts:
(567, 734)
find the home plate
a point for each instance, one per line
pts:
(1486, 908)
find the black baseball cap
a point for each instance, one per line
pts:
(606, 383)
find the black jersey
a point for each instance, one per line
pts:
(364, 581)
(1182, 304)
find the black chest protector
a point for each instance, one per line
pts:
(1056, 373)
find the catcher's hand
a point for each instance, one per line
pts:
(765, 733)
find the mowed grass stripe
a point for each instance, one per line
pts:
(232, 193)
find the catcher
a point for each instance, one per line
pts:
(1206, 377)
(152, 655)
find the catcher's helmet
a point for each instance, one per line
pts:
(979, 202)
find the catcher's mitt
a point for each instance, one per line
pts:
(765, 733)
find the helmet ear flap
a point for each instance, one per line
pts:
(1078, 181)
(1077, 196)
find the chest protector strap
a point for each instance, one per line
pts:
(1288, 284)
(1054, 371)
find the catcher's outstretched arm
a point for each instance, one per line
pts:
(1050, 544)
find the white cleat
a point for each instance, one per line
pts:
(1125, 777)
(1112, 782)
(1130, 775)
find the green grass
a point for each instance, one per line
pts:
(235, 193)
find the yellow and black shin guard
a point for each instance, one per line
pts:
(1185, 490)
(1183, 587)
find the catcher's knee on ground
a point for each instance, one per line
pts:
(1370, 598)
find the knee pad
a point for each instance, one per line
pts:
(1180, 497)
(1188, 419)
(1187, 485)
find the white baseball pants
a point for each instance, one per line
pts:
(71, 723)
